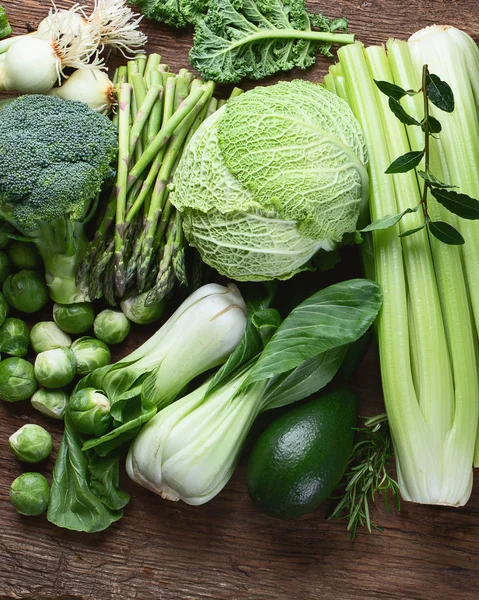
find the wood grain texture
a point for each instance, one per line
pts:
(227, 550)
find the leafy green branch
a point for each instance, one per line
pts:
(439, 93)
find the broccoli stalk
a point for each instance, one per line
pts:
(61, 256)
(54, 157)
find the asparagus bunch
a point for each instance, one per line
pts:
(138, 246)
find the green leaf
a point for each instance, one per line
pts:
(401, 114)
(5, 29)
(434, 181)
(405, 163)
(392, 90)
(434, 125)
(111, 441)
(388, 221)
(333, 317)
(73, 504)
(460, 204)
(411, 231)
(105, 481)
(440, 93)
(266, 323)
(311, 376)
(446, 233)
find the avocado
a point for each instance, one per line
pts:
(301, 456)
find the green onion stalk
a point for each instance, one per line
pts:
(139, 247)
(425, 328)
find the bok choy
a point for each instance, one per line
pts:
(199, 336)
(189, 450)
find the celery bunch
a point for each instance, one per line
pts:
(427, 327)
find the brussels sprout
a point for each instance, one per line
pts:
(74, 318)
(55, 368)
(89, 411)
(5, 267)
(90, 354)
(25, 291)
(29, 494)
(51, 403)
(111, 326)
(135, 309)
(5, 230)
(17, 380)
(4, 308)
(24, 255)
(14, 337)
(31, 443)
(46, 335)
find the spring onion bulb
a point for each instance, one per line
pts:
(91, 86)
(32, 64)
(111, 24)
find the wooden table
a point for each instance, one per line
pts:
(226, 549)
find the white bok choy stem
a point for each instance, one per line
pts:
(189, 450)
(426, 346)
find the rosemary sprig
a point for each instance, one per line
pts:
(367, 476)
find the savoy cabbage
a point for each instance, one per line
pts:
(270, 178)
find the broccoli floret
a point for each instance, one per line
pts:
(54, 157)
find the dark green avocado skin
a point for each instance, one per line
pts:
(298, 461)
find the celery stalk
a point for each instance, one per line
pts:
(420, 393)
(451, 274)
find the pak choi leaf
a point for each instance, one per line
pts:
(73, 501)
(333, 317)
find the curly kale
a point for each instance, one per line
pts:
(177, 13)
(257, 38)
(54, 157)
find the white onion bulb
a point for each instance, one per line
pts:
(90, 86)
(30, 67)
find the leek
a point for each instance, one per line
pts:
(425, 336)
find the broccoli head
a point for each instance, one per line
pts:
(54, 157)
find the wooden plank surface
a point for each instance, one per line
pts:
(226, 549)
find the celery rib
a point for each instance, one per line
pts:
(424, 329)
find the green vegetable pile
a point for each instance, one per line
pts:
(179, 187)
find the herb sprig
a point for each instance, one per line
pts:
(367, 476)
(439, 93)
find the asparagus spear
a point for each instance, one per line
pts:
(121, 181)
(190, 104)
